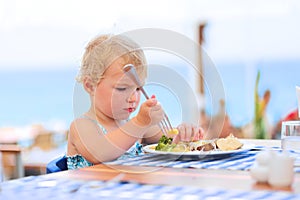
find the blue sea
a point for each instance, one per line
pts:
(46, 96)
(36, 97)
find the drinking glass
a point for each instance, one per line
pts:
(290, 135)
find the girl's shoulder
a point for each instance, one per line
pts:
(85, 123)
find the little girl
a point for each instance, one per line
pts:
(105, 132)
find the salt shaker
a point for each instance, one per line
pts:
(259, 173)
(281, 172)
(260, 169)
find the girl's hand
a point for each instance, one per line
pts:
(150, 113)
(188, 133)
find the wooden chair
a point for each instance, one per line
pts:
(16, 151)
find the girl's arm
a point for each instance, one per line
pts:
(152, 135)
(95, 146)
(89, 141)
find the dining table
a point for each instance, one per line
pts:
(155, 176)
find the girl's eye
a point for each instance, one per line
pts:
(125, 88)
(121, 88)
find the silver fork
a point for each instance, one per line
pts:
(129, 70)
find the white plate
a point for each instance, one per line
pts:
(151, 149)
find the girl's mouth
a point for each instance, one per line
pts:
(130, 110)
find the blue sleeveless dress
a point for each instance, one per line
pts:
(78, 161)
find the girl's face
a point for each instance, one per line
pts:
(116, 96)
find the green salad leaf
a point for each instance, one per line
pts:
(165, 144)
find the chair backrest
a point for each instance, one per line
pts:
(57, 165)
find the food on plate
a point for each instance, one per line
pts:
(174, 131)
(221, 144)
(164, 143)
(205, 146)
(229, 143)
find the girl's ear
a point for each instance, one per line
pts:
(88, 85)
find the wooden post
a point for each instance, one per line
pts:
(204, 122)
(201, 41)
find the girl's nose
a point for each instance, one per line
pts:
(133, 97)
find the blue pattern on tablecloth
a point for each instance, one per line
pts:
(237, 161)
(42, 187)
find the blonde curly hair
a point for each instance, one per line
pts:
(103, 50)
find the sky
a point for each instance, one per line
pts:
(44, 34)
